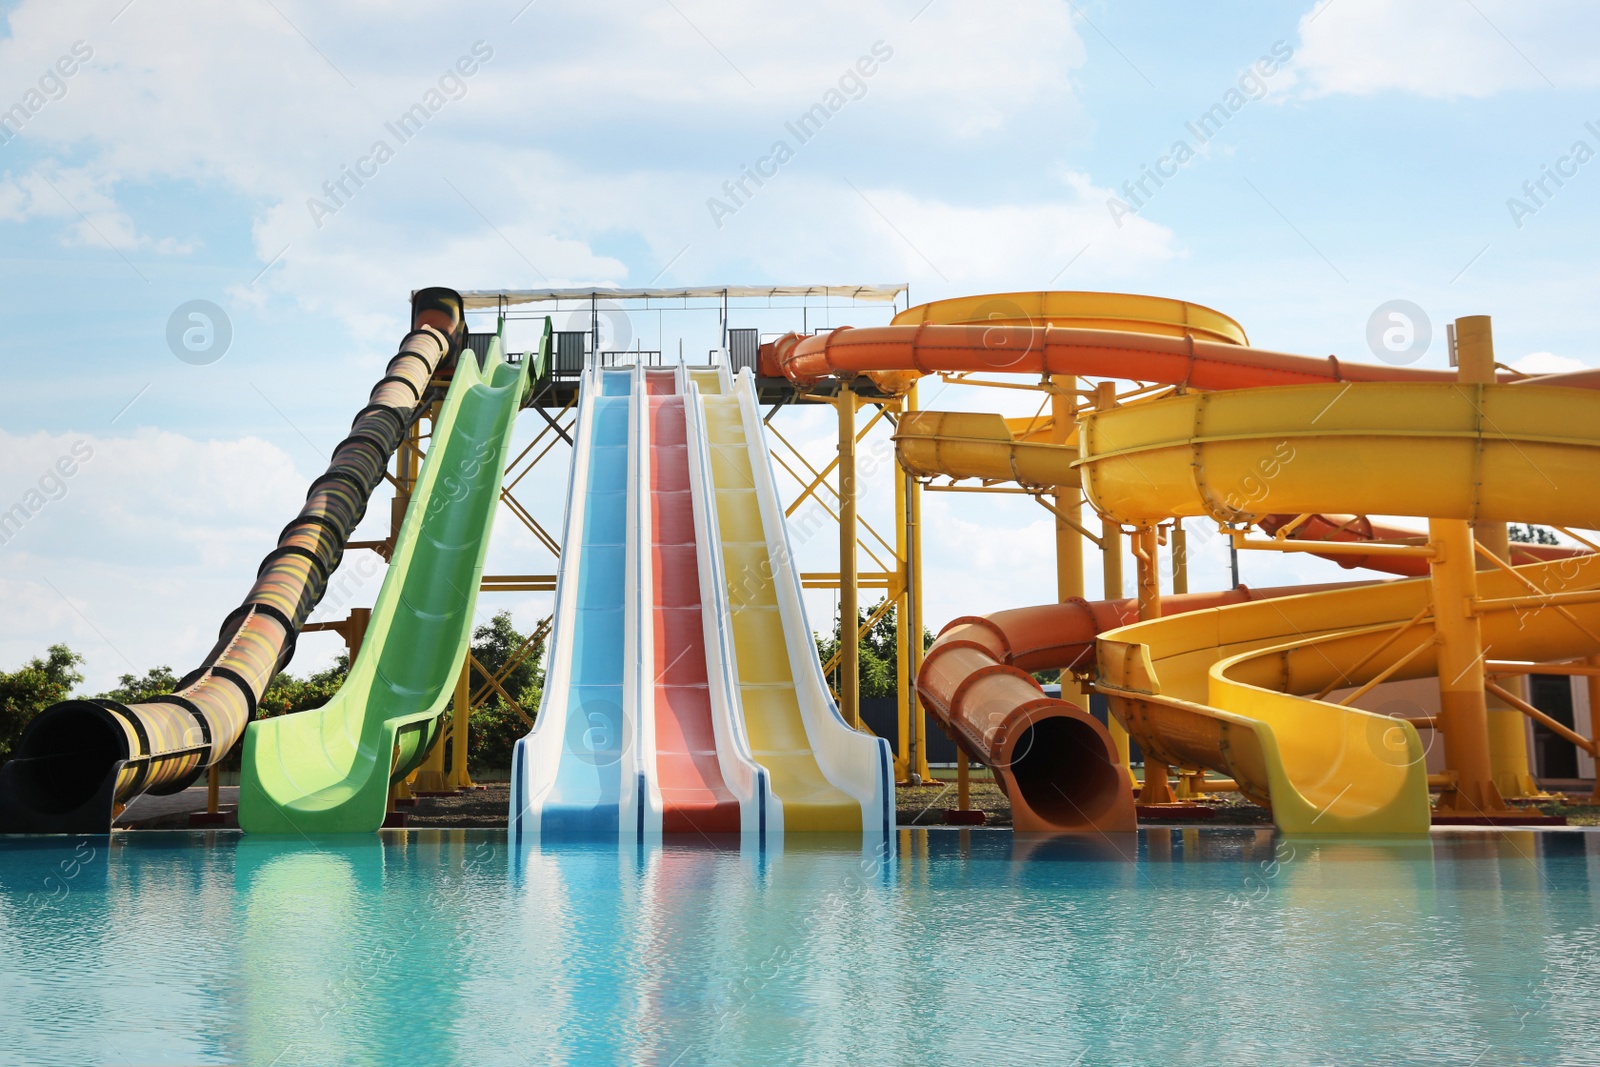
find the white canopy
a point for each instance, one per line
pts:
(493, 298)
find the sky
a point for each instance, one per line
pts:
(169, 152)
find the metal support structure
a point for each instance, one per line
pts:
(456, 773)
(911, 759)
(1180, 557)
(1105, 398)
(1508, 732)
(1463, 708)
(1592, 687)
(1147, 564)
(849, 591)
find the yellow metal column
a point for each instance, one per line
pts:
(1463, 709)
(1147, 564)
(1180, 557)
(913, 625)
(849, 593)
(1508, 727)
(430, 777)
(1463, 714)
(1593, 684)
(1069, 503)
(905, 681)
(460, 731)
(1105, 398)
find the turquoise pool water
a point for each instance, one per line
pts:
(1211, 947)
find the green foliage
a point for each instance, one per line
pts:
(28, 691)
(131, 689)
(287, 694)
(878, 652)
(494, 728)
(1532, 535)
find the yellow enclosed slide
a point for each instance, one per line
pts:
(1236, 689)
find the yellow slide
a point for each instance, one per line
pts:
(823, 774)
(1234, 689)
(1222, 689)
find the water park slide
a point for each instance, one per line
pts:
(77, 760)
(824, 774)
(705, 778)
(577, 771)
(1287, 758)
(1219, 689)
(678, 697)
(1054, 760)
(328, 770)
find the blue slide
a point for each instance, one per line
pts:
(575, 773)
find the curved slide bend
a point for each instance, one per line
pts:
(77, 760)
(1225, 689)
(1374, 763)
(328, 770)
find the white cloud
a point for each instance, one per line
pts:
(1447, 50)
(235, 100)
(1547, 363)
(139, 552)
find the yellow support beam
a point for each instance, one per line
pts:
(849, 590)
(460, 729)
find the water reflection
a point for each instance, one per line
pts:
(455, 947)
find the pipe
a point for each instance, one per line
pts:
(1056, 762)
(1199, 364)
(78, 759)
(1355, 528)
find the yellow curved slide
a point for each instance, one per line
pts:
(1234, 689)
(1224, 689)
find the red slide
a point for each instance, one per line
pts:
(694, 797)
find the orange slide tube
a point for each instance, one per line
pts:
(1054, 760)
(1201, 364)
(1361, 528)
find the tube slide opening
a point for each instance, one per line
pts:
(1060, 769)
(71, 749)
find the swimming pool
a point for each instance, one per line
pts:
(453, 947)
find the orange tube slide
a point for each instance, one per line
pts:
(931, 348)
(1361, 528)
(1053, 758)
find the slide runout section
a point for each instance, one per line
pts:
(688, 779)
(823, 774)
(328, 770)
(574, 773)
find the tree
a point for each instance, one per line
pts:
(131, 689)
(494, 728)
(287, 694)
(28, 691)
(1531, 535)
(879, 648)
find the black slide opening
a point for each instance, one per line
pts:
(1060, 768)
(71, 748)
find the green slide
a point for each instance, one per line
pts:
(329, 770)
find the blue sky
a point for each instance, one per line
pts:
(177, 161)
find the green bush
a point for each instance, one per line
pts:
(26, 692)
